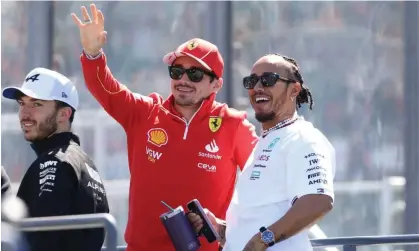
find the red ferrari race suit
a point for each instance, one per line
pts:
(171, 159)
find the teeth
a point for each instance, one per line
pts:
(184, 89)
(261, 99)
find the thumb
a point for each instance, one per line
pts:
(102, 37)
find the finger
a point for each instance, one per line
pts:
(198, 223)
(93, 10)
(102, 38)
(101, 18)
(194, 219)
(191, 215)
(85, 14)
(77, 20)
(198, 227)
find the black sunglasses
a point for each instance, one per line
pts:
(267, 79)
(194, 74)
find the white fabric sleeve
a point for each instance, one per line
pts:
(310, 170)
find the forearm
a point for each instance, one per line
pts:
(117, 100)
(303, 214)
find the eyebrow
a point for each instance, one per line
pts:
(32, 99)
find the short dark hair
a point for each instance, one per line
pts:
(305, 95)
(60, 104)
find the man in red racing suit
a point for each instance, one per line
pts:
(188, 146)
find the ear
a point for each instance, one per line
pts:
(295, 89)
(64, 114)
(217, 84)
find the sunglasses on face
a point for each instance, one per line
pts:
(267, 79)
(194, 74)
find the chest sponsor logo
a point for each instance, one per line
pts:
(318, 181)
(152, 155)
(207, 167)
(93, 174)
(263, 157)
(212, 147)
(273, 143)
(314, 155)
(47, 164)
(315, 168)
(214, 123)
(49, 170)
(255, 175)
(47, 177)
(97, 187)
(157, 137)
(318, 174)
(47, 186)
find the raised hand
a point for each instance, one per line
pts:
(92, 30)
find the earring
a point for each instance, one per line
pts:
(292, 99)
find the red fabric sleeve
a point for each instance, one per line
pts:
(117, 100)
(245, 141)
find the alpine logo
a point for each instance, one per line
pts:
(212, 147)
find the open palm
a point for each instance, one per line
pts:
(92, 30)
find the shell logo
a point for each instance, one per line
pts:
(157, 137)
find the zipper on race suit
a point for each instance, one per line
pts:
(185, 133)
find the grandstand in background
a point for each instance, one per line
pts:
(350, 54)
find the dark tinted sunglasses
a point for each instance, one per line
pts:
(267, 79)
(194, 74)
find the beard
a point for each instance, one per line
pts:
(185, 101)
(43, 129)
(265, 117)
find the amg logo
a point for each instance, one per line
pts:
(319, 181)
(318, 174)
(315, 168)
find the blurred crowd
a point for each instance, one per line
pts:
(350, 54)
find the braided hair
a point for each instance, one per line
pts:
(305, 95)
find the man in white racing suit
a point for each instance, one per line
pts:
(287, 183)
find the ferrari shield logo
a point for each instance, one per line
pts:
(192, 45)
(215, 123)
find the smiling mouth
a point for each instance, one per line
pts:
(184, 89)
(261, 100)
(27, 125)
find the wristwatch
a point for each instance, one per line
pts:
(267, 236)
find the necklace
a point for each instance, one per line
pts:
(280, 125)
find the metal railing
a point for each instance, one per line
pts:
(108, 222)
(73, 222)
(351, 243)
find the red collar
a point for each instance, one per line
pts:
(204, 110)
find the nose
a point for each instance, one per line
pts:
(24, 112)
(184, 78)
(258, 86)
